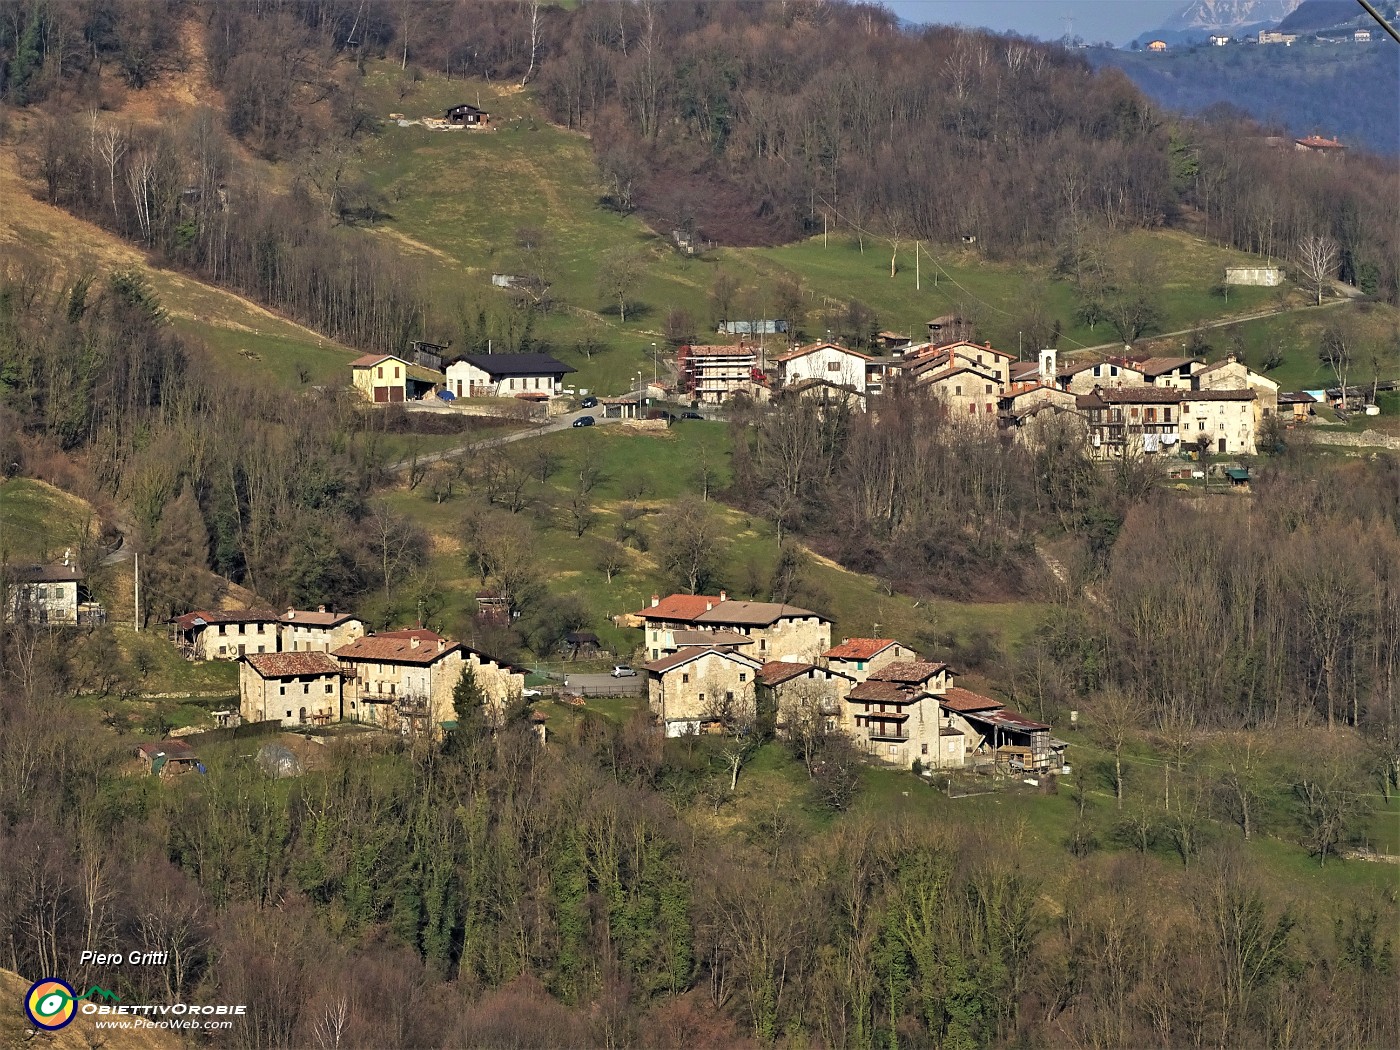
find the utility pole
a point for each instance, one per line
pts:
(916, 266)
(823, 230)
(136, 593)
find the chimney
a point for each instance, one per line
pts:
(723, 596)
(320, 608)
(413, 642)
(709, 605)
(655, 600)
(442, 644)
(1230, 359)
(67, 555)
(291, 613)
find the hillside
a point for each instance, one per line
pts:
(1307, 88)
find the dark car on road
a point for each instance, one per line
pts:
(588, 402)
(584, 421)
(691, 415)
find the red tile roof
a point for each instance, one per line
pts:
(292, 665)
(859, 648)
(754, 614)
(392, 649)
(776, 672)
(956, 698)
(1318, 142)
(370, 360)
(685, 608)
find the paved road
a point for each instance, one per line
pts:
(605, 685)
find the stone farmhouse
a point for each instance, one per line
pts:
(51, 594)
(776, 630)
(896, 707)
(299, 688)
(221, 634)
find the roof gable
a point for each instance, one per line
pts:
(859, 648)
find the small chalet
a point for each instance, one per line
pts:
(1318, 144)
(950, 328)
(384, 378)
(168, 758)
(297, 688)
(582, 644)
(1299, 403)
(526, 376)
(468, 116)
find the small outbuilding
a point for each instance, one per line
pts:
(168, 758)
(468, 116)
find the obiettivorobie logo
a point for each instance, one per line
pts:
(52, 1004)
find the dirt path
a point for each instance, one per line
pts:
(1225, 323)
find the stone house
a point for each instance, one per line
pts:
(967, 394)
(404, 679)
(1083, 378)
(928, 360)
(305, 631)
(208, 634)
(712, 374)
(894, 713)
(1223, 419)
(793, 690)
(859, 658)
(1131, 421)
(299, 688)
(699, 687)
(1233, 374)
(775, 629)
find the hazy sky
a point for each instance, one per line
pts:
(1094, 20)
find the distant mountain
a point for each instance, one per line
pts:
(1322, 14)
(1208, 16)
(1306, 88)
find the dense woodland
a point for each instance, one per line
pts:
(487, 893)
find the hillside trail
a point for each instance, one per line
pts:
(1061, 572)
(1223, 323)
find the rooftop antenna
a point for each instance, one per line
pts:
(1069, 27)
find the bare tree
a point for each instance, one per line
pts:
(535, 23)
(1317, 255)
(617, 278)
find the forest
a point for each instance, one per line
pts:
(1235, 660)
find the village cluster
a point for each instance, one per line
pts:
(1125, 405)
(714, 665)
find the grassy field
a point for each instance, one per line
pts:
(463, 230)
(650, 470)
(38, 521)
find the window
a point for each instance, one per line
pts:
(702, 698)
(281, 690)
(762, 644)
(923, 749)
(685, 679)
(1133, 412)
(381, 371)
(957, 391)
(860, 665)
(833, 366)
(396, 371)
(1202, 425)
(729, 695)
(1166, 415)
(979, 359)
(743, 676)
(989, 388)
(1150, 414)
(330, 688)
(306, 689)
(1113, 370)
(260, 648)
(972, 410)
(894, 749)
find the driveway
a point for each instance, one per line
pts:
(604, 685)
(558, 423)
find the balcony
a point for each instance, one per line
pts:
(892, 736)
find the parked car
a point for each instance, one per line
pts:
(530, 694)
(623, 671)
(691, 415)
(584, 421)
(588, 402)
